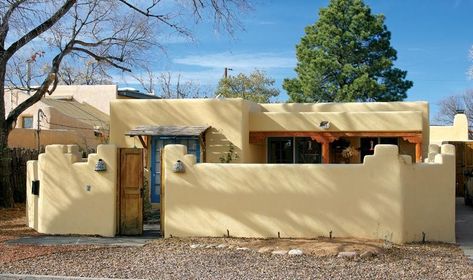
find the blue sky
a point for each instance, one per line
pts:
(432, 38)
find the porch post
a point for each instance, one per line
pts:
(325, 152)
(418, 152)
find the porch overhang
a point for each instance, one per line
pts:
(325, 138)
(166, 131)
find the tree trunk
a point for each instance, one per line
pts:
(6, 191)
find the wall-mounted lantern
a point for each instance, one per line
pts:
(324, 124)
(100, 166)
(178, 167)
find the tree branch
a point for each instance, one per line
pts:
(5, 22)
(161, 18)
(38, 30)
(107, 59)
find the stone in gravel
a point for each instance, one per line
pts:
(220, 246)
(348, 255)
(367, 254)
(264, 250)
(295, 252)
(242, 248)
(210, 246)
(279, 252)
(193, 246)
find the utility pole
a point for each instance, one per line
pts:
(225, 72)
(38, 128)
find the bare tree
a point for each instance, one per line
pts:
(452, 105)
(168, 85)
(112, 32)
(87, 72)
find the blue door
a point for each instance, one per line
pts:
(157, 145)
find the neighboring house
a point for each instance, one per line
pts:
(71, 115)
(458, 135)
(456, 132)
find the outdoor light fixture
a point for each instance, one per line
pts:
(324, 124)
(178, 167)
(100, 166)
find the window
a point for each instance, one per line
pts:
(293, 150)
(281, 150)
(308, 150)
(27, 122)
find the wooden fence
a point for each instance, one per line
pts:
(19, 157)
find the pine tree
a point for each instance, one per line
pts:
(347, 56)
(256, 87)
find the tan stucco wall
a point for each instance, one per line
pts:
(387, 197)
(27, 138)
(228, 119)
(456, 132)
(31, 200)
(233, 119)
(339, 121)
(65, 205)
(98, 96)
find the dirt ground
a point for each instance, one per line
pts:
(13, 226)
(236, 258)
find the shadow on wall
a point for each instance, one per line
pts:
(73, 197)
(379, 199)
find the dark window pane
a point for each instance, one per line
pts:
(308, 150)
(367, 146)
(280, 150)
(389, 140)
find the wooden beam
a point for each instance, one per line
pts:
(143, 143)
(258, 137)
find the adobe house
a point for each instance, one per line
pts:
(268, 133)
(72, 114)
(297, 170)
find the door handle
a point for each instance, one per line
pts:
(141, 192)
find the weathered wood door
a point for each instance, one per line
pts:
(467, 165)
(131, 191)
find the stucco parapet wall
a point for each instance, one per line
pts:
(386, 197)
(346, 107)
(339, 121)
(73, 197)
(456, 132)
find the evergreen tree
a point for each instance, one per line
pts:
(256, 87)
(346, 56)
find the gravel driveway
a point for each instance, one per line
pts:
(175, 259)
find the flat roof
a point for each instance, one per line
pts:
(136, 94)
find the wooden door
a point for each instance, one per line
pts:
(467, 164)
(131, 191)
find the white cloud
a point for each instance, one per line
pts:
(263, 60)
(203, 77)
(207, 69)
